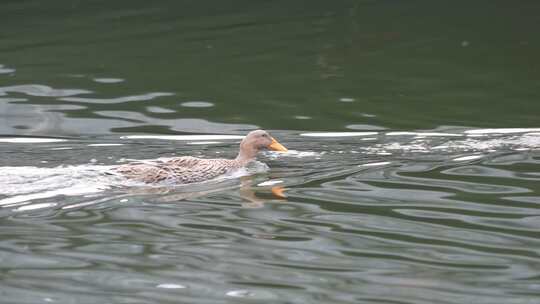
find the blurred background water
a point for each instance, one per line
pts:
(413, 176)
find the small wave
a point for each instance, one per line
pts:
(109, 80)
(502, 131)
(143, 97)
(42, 90)
(423, 134)
(197, 104)
(338, 134)
(30, 140)
(5, 70)
(184, 137)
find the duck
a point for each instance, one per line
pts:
(189, 169)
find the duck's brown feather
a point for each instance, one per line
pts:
(181, 170)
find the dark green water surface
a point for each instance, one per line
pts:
(413, 175)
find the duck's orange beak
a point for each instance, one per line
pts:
(277, 146)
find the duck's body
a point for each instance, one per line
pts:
(187, 169)
(178, 170)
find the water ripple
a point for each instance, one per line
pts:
(42, 90)
(143, 97)
(352, 225)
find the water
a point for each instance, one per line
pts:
(412, 176)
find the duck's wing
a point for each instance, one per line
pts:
(192, 170)
(144, 172)
(182, 170)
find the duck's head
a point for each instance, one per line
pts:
(256, 141)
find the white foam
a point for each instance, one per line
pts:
(29, 140)
(338, 134)
(292, 153)
(184, 137)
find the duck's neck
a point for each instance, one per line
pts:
(245, 156)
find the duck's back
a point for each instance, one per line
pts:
(181, 170)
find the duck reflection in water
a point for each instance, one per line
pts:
(248, 193)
